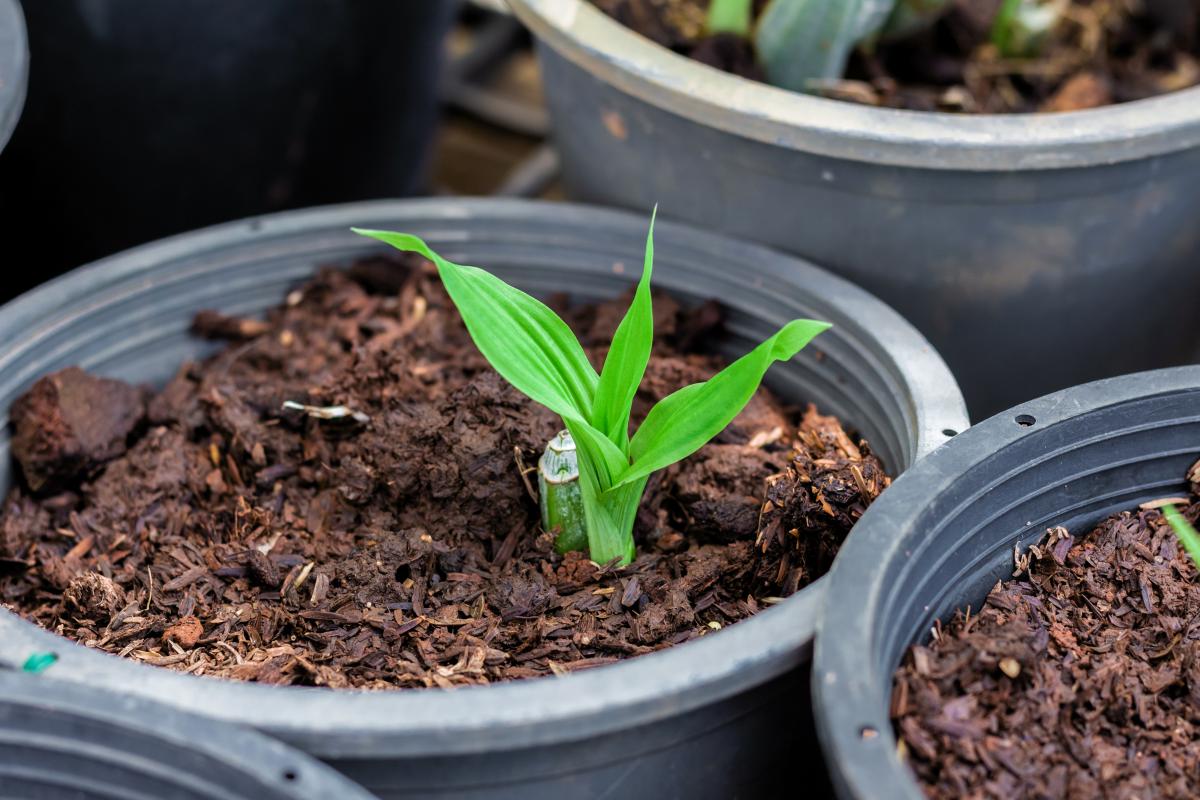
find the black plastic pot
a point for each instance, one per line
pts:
(1040, 226)
(719, 717)
(150, 118)
(64, 741)
(943, 534)
(14, 67)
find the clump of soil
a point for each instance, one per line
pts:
(209, 529)
(1080, 680)
(1101, 52)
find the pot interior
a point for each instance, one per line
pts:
(944, 535)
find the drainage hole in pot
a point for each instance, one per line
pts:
(290, 775)
(868, 732)
(1025, 420)
(949, 432)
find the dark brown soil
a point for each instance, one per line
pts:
(1081, 680)
(1102, 52)
(206, 529)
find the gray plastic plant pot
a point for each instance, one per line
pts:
(942, 536)
(64, 741)
(14, 67)
(721, 717)
(146, 119)
(1009, 241)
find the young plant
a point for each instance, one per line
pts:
(1184, 531)
(535, 351)
(1021, 27)
(801, 43)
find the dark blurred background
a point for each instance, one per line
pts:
(145, 119)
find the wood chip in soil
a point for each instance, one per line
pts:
(1079, 679)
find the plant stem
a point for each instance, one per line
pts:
(560, 496)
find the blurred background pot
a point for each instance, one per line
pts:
(63, 741)
(724, 716)
(1014, 243)
(14, 67)
(147, 119)
(943, 534)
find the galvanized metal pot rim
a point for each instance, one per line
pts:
(342, 723)
(583, 34)
(14, 67)
(850, 695)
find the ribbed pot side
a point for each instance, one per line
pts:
(942, 536)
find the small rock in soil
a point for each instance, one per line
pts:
(70, 422)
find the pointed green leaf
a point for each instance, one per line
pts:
(1184, 531)
(684, 421)
(523, 340)
(799, 41)
(627, 357)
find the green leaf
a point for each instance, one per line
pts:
(627, 357)
(799, 41)
(1186, 534)
(1021, 27)
(523, 340)
(610, 515)
(729, 16)
(682, 422)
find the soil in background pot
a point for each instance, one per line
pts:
(1102, 52)
(207, 529)
(1080, 679)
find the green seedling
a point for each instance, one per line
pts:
(535, 351)
(1021, 27)
(1184, 531)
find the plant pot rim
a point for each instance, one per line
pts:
(357, 723)
(846, 675)
(14, 67)
(78, 719)
(617, 55)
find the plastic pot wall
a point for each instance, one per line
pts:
(1033, 231)
(943, 535)
(717, 718)
(14, 67)
(149, 119)
(63, 741)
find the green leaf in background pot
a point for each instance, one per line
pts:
(1184, 531)
(802, 41)
(729, 16)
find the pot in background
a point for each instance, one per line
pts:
(149, 119)
(721, 717)
(1015, 243)
(14, 67)
(943, 534)
(64, 741)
